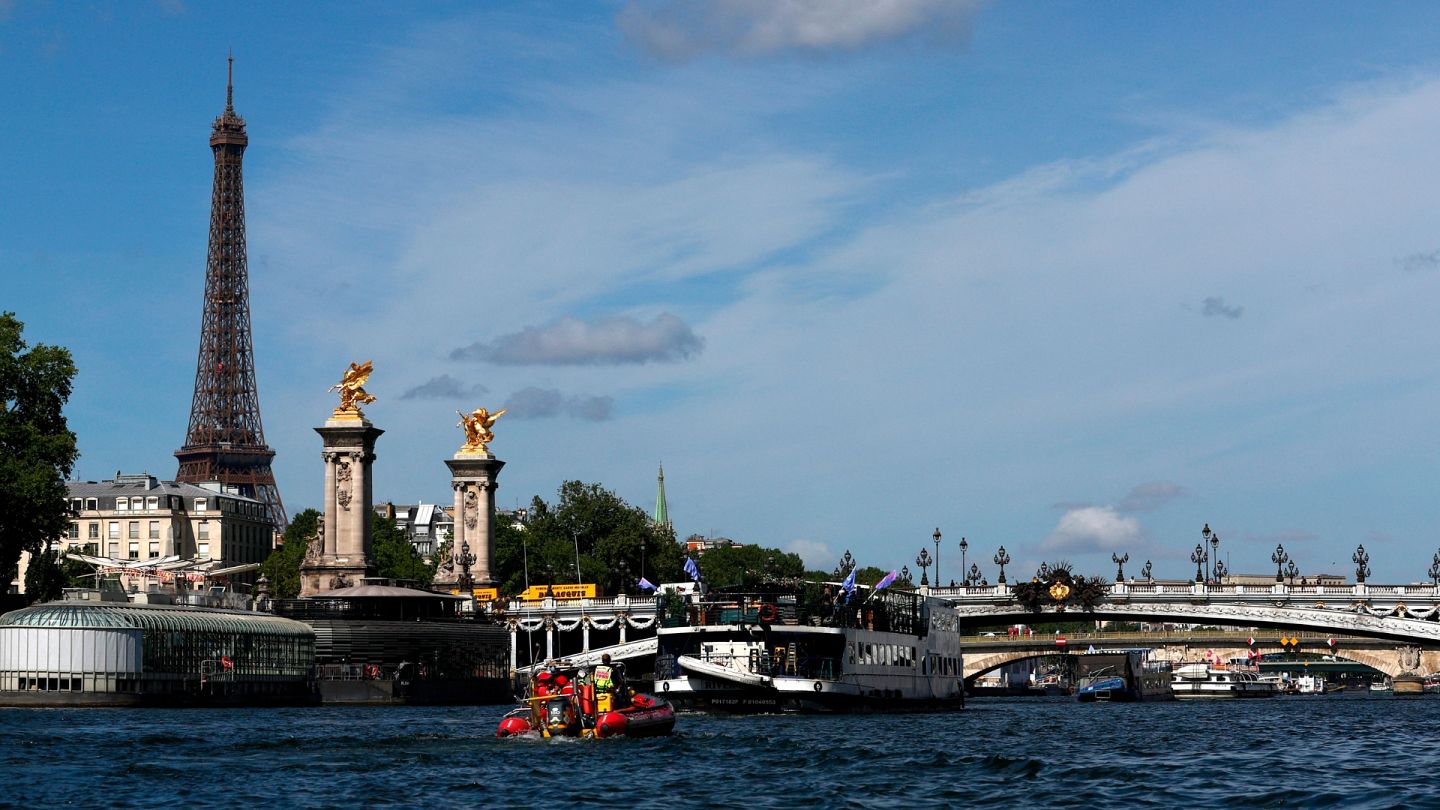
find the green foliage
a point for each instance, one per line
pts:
(37, 449)
(395, 556)
(594, 524)
(44, 579)
(748, 565)
(282, 567)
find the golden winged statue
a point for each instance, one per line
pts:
(352, 390)
(477, 426)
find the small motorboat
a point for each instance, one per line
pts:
(563, 702)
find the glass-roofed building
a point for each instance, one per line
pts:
(79, 653)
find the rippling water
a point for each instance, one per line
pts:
(1336, 751)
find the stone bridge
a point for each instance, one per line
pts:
(1398, 613)
(983, 653)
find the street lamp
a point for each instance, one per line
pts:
(936, 538)
(1043, 572)
(624, 576)
(1145, 571)
(1435, 569)
(923, 560)
(963, 546)
(1220, 572)
(905, 575)
(1215, 555)
(1291, 571)
(1279, 558)
(1002, 559)
(1361, 560)
(1119, 564)
(1205, 540)
(1199, 557)
(847, 564)
(973, 578)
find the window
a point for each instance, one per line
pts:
(203, 549)
(154, 549)
(199, 504)
(204, 530)
(134, 530)
(134, 551)
(122, 504)
(94, 531)
(154, 530)
(92, 504)
(114, 550)
(113, 530)
(152, 502)
(74, 531)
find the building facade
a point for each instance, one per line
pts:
(137, 517)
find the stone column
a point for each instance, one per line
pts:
(345, 557)
(473, 476)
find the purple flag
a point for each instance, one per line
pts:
(885, 580)
(647, 585)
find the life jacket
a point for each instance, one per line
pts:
(603, 678)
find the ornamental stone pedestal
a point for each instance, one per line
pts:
(473, 476)
(340, 556)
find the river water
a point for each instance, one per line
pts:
(1349, 750)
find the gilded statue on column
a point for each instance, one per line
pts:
(352, 391)
(477, 426)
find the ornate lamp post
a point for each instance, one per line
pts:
(1199, 556)
(1119, 564)
(923, 560)
(936, 538)
(1435, 569)
(1279, 558)
(1145, 571)
(1362, 563)
(464, 582)
(1215, 556)
(905, 575)
(963, 547)
(847, 564)
(624, 577)
(1220, 572)
(974, 577)
(1292, 571)
(1002, 559)
(1205, 540)
(549, 579)
(1043, 572)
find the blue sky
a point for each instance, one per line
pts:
(1071, 278)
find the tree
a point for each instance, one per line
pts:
(282, 567)
(396, 557)
(748, 565)
(37, 449)
(589, 526)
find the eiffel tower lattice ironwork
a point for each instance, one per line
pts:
(225, 441)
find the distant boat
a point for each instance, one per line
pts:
(1201, 680)
(1122, 676)
(1378, 687)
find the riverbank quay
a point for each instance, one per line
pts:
(1000, 753)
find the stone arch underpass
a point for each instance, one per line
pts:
(1391, 644)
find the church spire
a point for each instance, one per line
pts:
(662, 510)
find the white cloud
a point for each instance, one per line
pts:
(541, 403)
(817, 555)
(1150, 496)
(444, 387)
(678, 30)
(1094, 529)
(608, 341)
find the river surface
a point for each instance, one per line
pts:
(1349, 750)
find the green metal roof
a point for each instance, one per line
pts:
(153, 617)
(662, 509)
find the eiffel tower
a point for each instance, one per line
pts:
(225, 441)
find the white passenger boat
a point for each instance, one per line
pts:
(1206, 680)
(798, 650)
